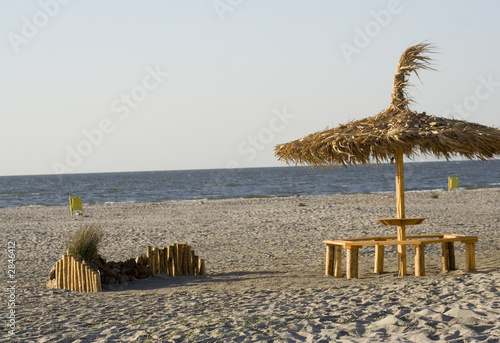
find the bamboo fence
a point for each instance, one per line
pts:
(175, 260)
(76, 275)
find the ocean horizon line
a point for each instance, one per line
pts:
(374, 164)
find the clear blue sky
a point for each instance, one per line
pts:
(104, 86)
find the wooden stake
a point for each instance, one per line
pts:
(68, 274)
(182, 259)
(196, 265)
(149, 254)
(73, 274)
(154, 261)
(61, 272)
(400, 206)
(202, 266)
(81, 277)
(65, 271)
(188, 260)
(58, 274)
(165, 260)
(88, 277)
(193, 265)
(84, 277)
(161, 266)
(56, 267)
(98, 281)
(185, 259)
(352, 263)
(337, 272)
(420, 260)
(93, 280)
(175, 256)
(158, 260)
(178, 259)
(76, 274)
(169, 261)
(94, 276)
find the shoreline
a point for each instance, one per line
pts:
(461, 190)
(265, 267)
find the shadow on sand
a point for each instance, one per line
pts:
(162, 281)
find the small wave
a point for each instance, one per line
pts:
(117, 202)
(259, 196)
(426, 190)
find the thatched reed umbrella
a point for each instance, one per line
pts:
(394, 133)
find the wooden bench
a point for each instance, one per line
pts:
(352, 246)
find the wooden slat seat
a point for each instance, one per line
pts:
(352, 246)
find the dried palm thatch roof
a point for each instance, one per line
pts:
(376, 138)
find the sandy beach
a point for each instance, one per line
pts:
(265, 272)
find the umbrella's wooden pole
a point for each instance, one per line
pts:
(400, 205)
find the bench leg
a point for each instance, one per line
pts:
(352, 263)
(445, 256)
(330, 252)
(451, 255)
(448, 256)
(420, 260)
(470, 257)
(379, 259)
(337, 272)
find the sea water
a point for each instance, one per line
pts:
(153, 186)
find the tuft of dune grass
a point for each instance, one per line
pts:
(85, 242)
